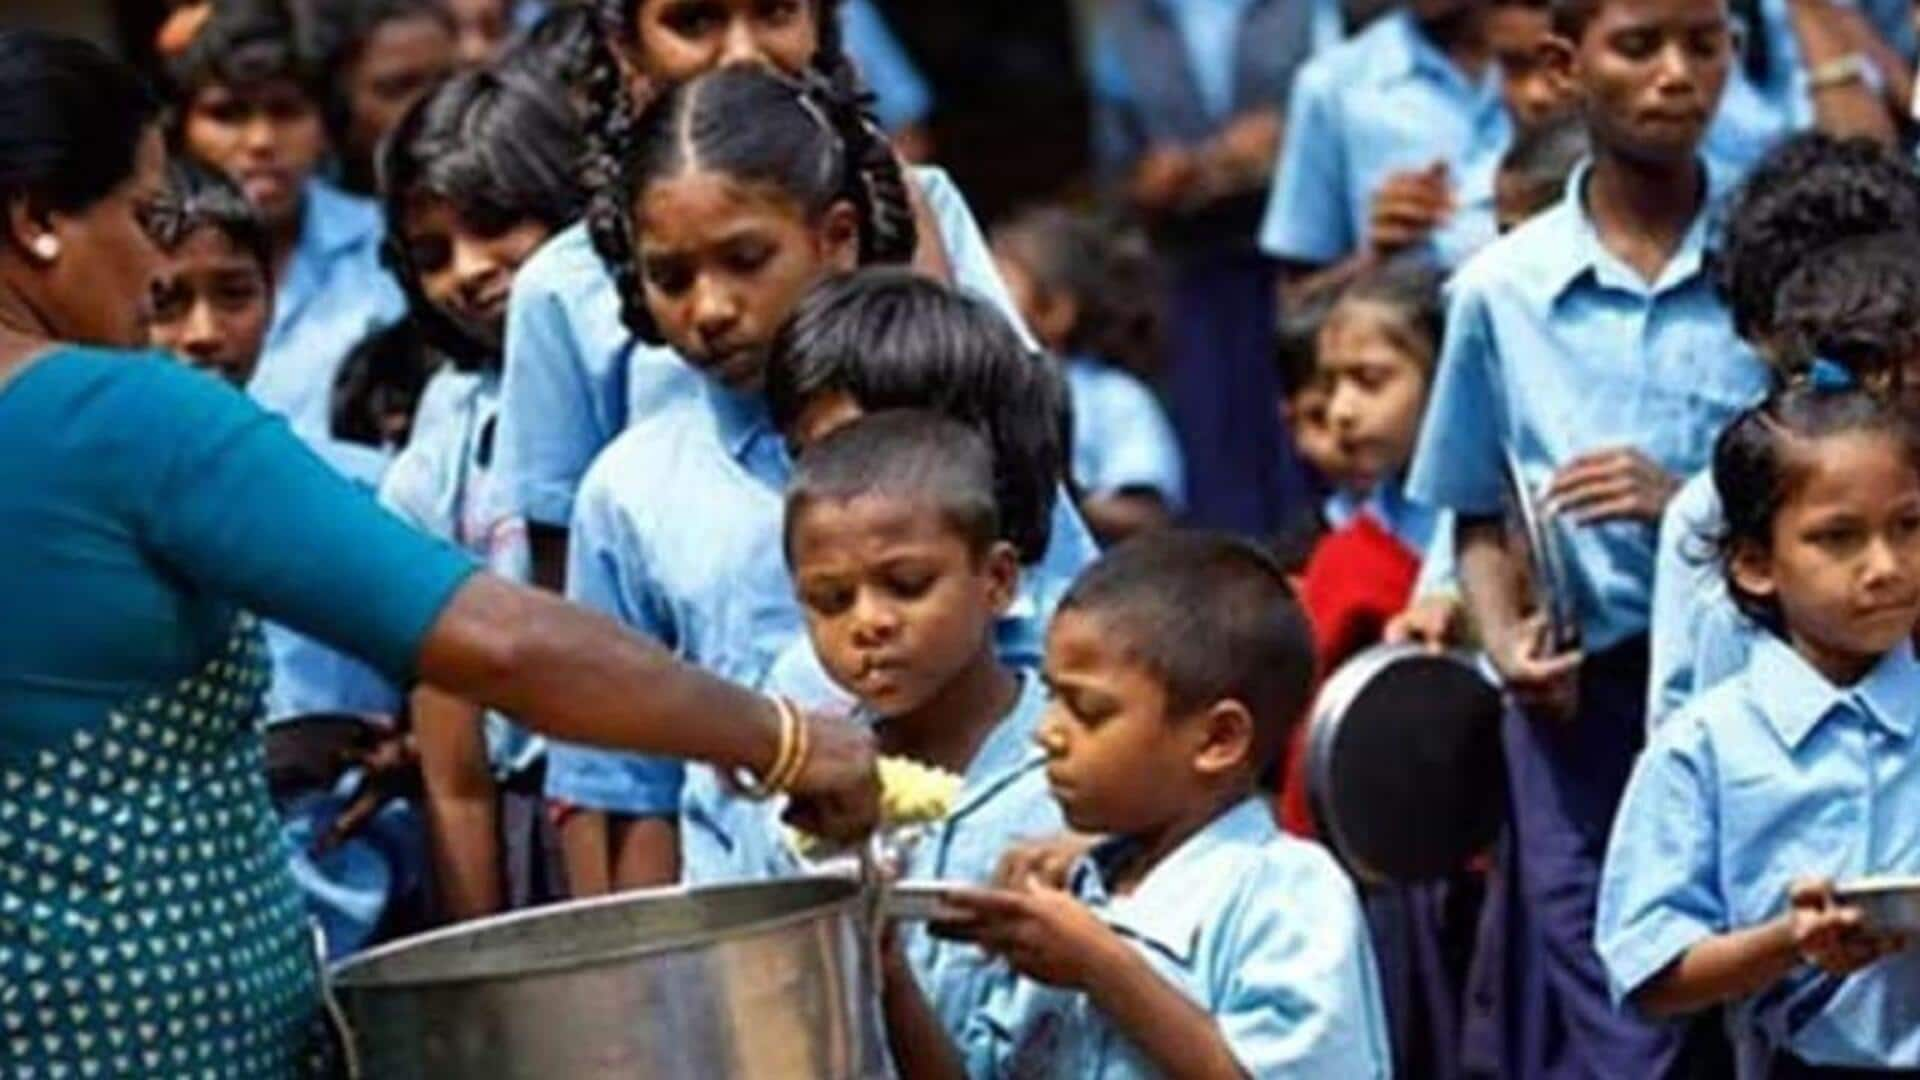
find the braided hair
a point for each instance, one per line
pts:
(803, 137)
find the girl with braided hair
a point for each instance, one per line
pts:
(736, 193)
(575, 376)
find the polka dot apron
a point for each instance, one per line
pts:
(148, 924)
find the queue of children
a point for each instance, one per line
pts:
(645, 302)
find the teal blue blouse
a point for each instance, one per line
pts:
(142, 505)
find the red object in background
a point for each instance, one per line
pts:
(1359, 577)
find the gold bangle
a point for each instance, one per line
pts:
(766, 786)
(801, 745)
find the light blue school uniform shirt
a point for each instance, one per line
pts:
(1210, 30)
(1383, 102)
(1020, 635)
(1122, 440)
(575, 378)
(440, 485)
(1003, 800)
(1262, 931)
(901, 96)
(1555, 348)
(1774, 775)
(1698, 637)
(677, 535)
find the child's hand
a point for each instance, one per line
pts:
(1044, 933)
(1407, 207)
(1164, 178)
(1540, 683)
(1833, 936)
(1621, 484)
(1434, 622)
(1047, 861)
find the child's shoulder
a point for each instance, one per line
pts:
(564, 265)
(1698, 732)
(1534, 255)
(1357, 62)
(636, 468)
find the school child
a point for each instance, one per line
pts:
(214, 295)
(1850, 309)
(482, 30)
(1533, 98)
(676, 533)
(1809, 193)
(1199, 940)
(1589, 347)
(1798, 773)
(896, 549)
(1187, 108)
(248, 97)
(1391, 142)
(1535, 169)
(890, 339)
(381, 55)
(1303, 407)
(574, 376)
(1085, 295)
(475, 177)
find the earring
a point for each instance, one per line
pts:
(47, 246)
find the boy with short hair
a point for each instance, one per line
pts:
(213, 296)
(1590, 347)
(1199, 941)
(894, 540)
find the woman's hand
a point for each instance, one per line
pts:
(836, 796)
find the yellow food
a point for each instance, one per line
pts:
(910, 794)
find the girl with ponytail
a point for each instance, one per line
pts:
(576, 376)
(733, 195)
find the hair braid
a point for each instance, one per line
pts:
(608, 124)
(874, 181)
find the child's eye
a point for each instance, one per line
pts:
(670, 277)
(170, 301)
(1707, 44)
(828, 601)
(1638, 44)
(429, 254)
(911, 587)
(779, 11)
(748, 258)
(695, 20)
(235, 295)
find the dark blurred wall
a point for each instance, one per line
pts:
(1010, 118)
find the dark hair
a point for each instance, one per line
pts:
(1543, 158)
(1410, 288)
(71, 120)
(815, 138)
(1108, 272)
(1755, 470)
(1297, 343)
(1808, 193)
(382, 377)
(1212, 618)
(341, 30)
(246, 43)
(908, 454)
(559, 47)
(1857, 304)
(500, 148)
(206, 198)
(892, 339)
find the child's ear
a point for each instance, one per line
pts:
(1226, 739)
(1002, 566)
(1752, 570)
(839, 236)
(1559, 59)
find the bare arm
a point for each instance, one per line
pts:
(579, 677)
(1492, 577)
(463, 809)
(1722, 968)
(1841, 109)
(921, 1046)
(1174, 1033)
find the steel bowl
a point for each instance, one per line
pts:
(759, 980)
(1889, 903)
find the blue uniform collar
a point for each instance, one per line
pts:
(1167, 909)
(740, 419)
(1795, 698)
(332, 224)
(1572, 250)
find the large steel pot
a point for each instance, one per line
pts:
(753, 981)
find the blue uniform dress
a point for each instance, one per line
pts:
(148, 923)
(1122, 441)
(1003, 800)
(1258, 929)
(1774, 775)
(1554, 348)
(1175, 73)
(901, 97)
(677, 535)
(1699, 637)
(1383, 102)
(333, 293)
(575, 378)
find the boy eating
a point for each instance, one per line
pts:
(1199, 941)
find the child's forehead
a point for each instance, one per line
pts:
(880, 516)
